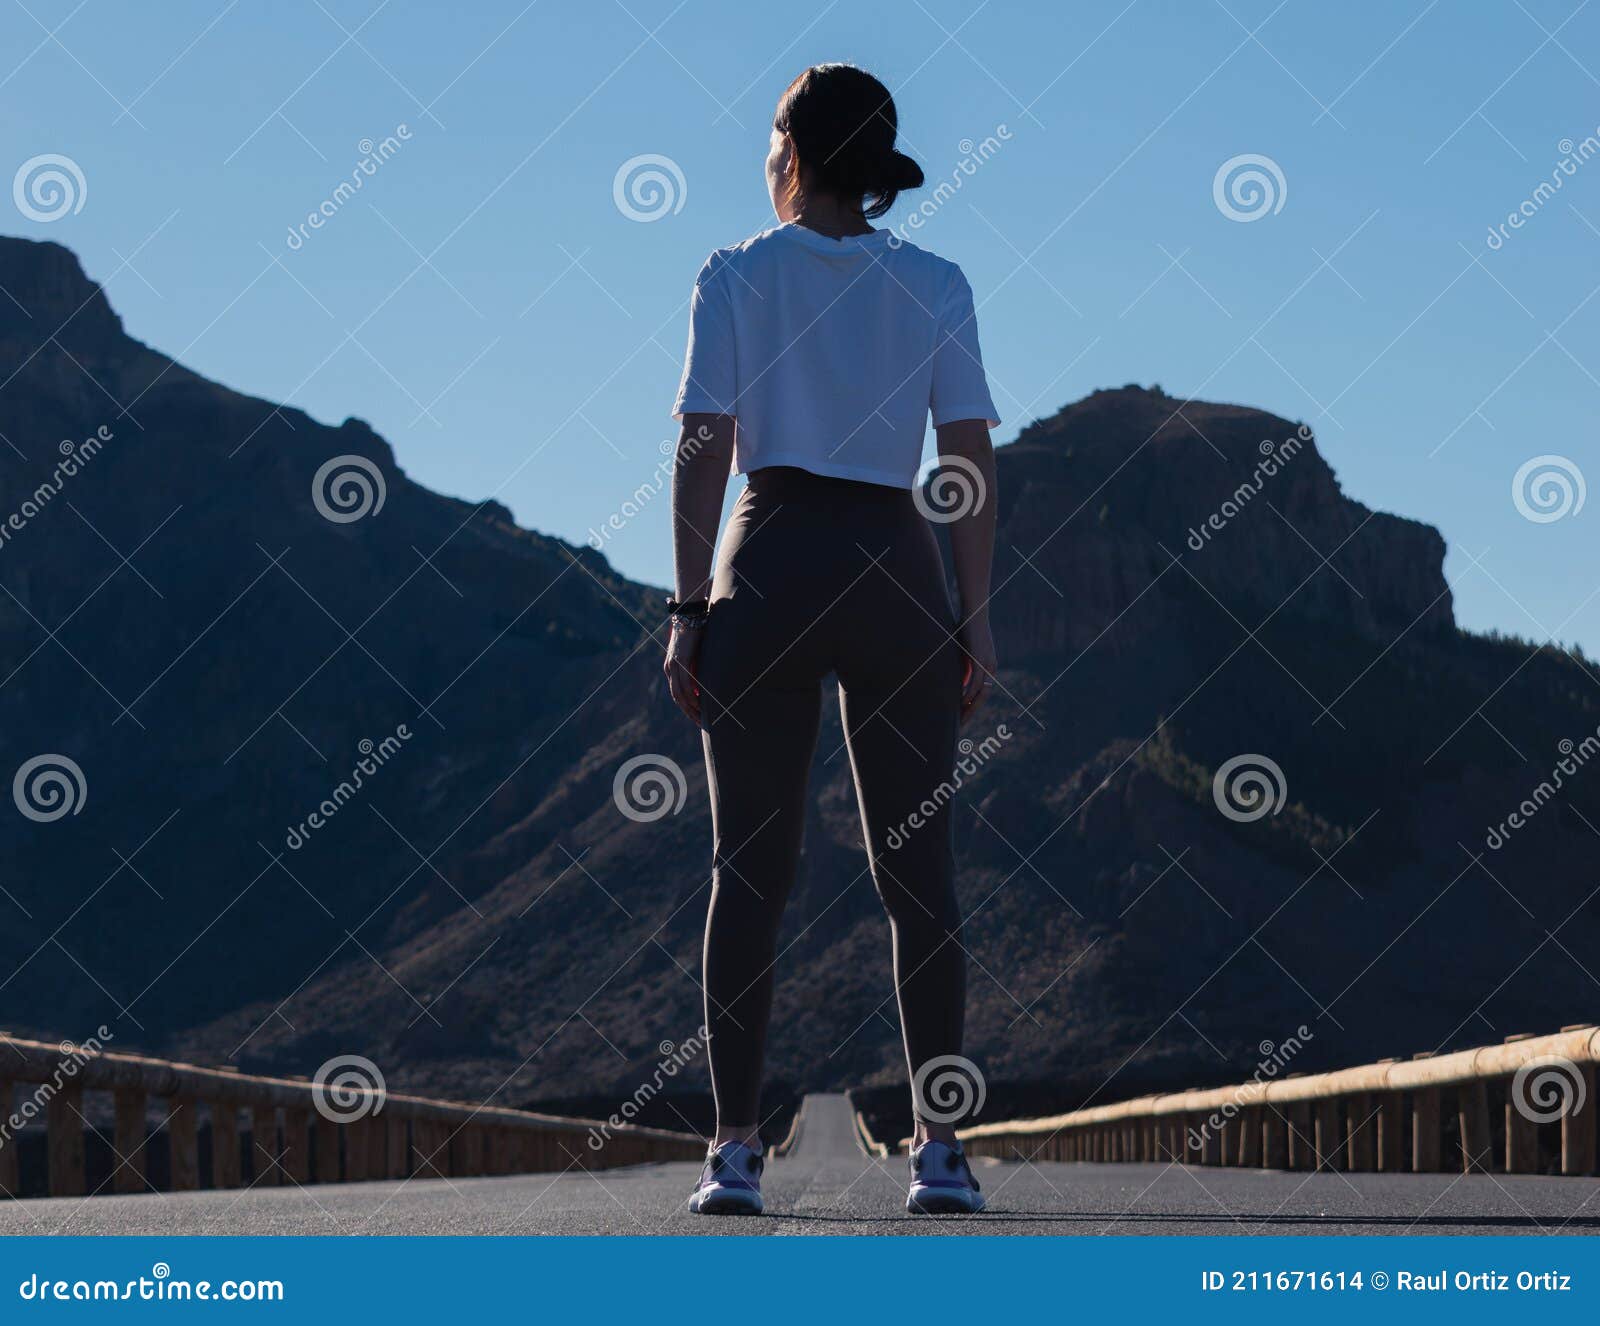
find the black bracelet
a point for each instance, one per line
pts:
(693, 608)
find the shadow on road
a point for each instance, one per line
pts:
(1546, 1223)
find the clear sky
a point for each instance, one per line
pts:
(488, 306)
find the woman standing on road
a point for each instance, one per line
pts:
(817, 351)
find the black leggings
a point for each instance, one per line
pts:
(819, 575)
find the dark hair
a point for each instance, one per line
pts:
(842, 123)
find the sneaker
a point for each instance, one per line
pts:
(942, 1182)
(730, 1183)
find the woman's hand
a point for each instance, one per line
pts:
(977, 645)
(683, 657)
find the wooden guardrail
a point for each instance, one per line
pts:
(1385, 1116)
(791, 1139)
(869, 1143)
(298, 1132)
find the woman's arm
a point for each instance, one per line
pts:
(699, 482)
(965, 446)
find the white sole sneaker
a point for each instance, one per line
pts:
(714, 1199)
(923, 1199)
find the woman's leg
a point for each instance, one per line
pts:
(902, 749)
(758, 758)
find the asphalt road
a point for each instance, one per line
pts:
(829, 1186)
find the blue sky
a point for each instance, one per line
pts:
(487, 306)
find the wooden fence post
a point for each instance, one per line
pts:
(1391, 1143)
(357, 1150)
(224, 1144)
(1361, 1136)
(64, 1119)
(1302, 1139)
(297, 1146)
(1472, 1106)
(395, 1146)
(1274, 1138)
(183, 1144)
(1250, 1123)
(183, 1139)
(1328, 1138)
(1522, 1140)
(265, 1168)
(327, 1149)
(433, 1149)
(1232, 1132)
(128, 1141)
(8, 1143)
(1577, 1127)
(1426, 1126)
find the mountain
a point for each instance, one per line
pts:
(225, 599)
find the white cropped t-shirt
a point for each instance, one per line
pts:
(831, 354)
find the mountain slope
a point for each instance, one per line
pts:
(480, 915)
